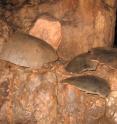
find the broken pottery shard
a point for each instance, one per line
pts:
(90, 84)
(27, 51)
(81, 63)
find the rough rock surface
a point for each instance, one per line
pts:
(84, 24)
(88, 24)
(37, 96)
(27, 96)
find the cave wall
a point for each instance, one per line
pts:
(115, 41)
(83, 24)
(37, 96)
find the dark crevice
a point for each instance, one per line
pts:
(115, 42)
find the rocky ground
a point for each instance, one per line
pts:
(71, 27)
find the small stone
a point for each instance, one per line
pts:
(48, 29)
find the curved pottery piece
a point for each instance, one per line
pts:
(27, 51)
(90, 84)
